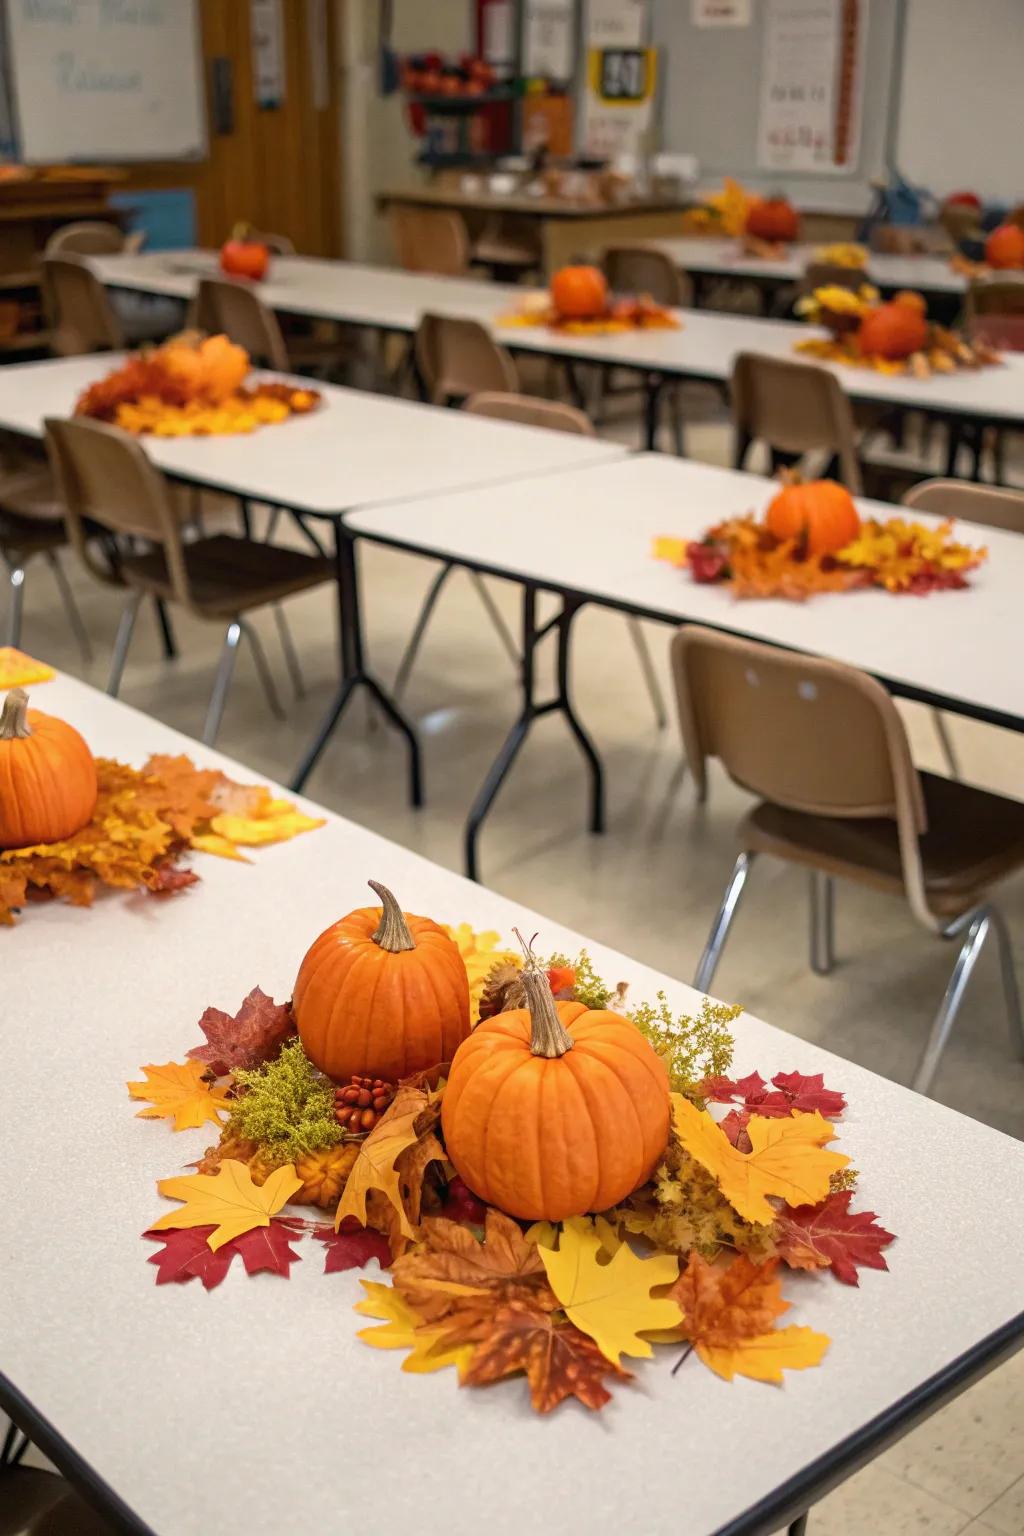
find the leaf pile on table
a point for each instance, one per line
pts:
(812, 539)
(70, 822)
(192, 386)
(893, 336)
(579, 303)
(531, 1162)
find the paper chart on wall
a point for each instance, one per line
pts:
(812, 85)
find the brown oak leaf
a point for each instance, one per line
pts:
(450, 1274)
(559, 1360)
(721, 1305)
(254, 1035)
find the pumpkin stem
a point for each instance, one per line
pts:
(392, 931)
(789, 474)
(549, 1036)
(14, 724)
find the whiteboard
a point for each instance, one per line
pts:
(106, 79)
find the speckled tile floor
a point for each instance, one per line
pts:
(649, 886)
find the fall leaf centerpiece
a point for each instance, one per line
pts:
(192, 386)
(893, 337)
(813, 539)
(579, 303)
(552, 1196)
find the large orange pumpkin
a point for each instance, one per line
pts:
(47, 776)
(579, 293)
(773, 218)
(224, 367)
(555, 1109)
(821, 511)
(1005, 246)
(381, 994)
(893, 330)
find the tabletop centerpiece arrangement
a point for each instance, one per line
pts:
(579, 303)
(893, 336)
(192, 386)
(813, 539)
(532, 1163)
(764, 226)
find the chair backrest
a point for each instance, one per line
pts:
(995, 312)
(805, 733)
(796, 408)
(86, 237)
(78, 308)
(829, 274)
(430, 240)
(223, 307)
(277, 245)
(991, 506)
(106, 478)
(531, 411)
(643, 269)
(457, 358)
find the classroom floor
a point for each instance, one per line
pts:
(649, 887)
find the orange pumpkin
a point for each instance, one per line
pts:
(381, 994)
(224, 367)
(1005, 246)
(579, 293)
(911, 300)
(47, 776)
(893, 330)
(773, 218)
(242, 256)
(820, 511)
(555, 1109)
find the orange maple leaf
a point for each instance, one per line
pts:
(559, 1360)
(729, 1316)
(451, 1275)
(178, 1090)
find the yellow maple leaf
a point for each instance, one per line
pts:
(610, 1301)
(374, 1168)
(211, 842)
(177, 1088)
(400, 1332)
(17, 669)
(278, 820)
(480, 953)
(764, 1357)
(665, 547)
(787, 1158)
(227, 1200)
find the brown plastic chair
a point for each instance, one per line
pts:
(105, 477)
(86, 237)
(530, 411)
(223, 307)
(78, 309)
(430, 240)
(825, 749)
(796, 408)
(995, 312)
(643, 269)
(32, 524)
(456, 358)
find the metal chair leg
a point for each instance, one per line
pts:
(647, 668)
(129, 613)
(259, 656)
(16, 579)
(70, 606)
(708, 964)
(411, 651)
(1011, 991)
(291, 657)
(676, 418)
(494, 614)
(823, 891)
(946, 743)
(977, 923)
(272, 521)
(222, 682)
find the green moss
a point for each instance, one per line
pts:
(590, 989)
(288, 1106)
(693, 1046)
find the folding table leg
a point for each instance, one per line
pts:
(799, 1527)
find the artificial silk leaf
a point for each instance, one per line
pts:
(790, 1091)
(451, 1276)
(209, 842)
(352, 1247)
(18, 670)
(178, 1089)
(246, 1040)
(187, 1255)
(227, 1200)
(185, 791)
(610, 1301)
(831, 1235)
(412, 1116)
(722, 1304)
(765, 1357)
(787, 1158)
(559, 1360)
(168, 879)
(277, 821)
(267, 1248)
(403, 1330)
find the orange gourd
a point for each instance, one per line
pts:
(1004, 247)
(224, 367)
(381, 994)
(47, 776)
(579, 293)
(821, 511)
(773, 218)
(894, 330)
(555, 1109)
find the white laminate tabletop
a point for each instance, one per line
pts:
(697, 253)
(704, 347)
(591, 533)
(356, 448)
(254, 1408)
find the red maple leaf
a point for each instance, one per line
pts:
(187, 1256)
(166, 879)
(268, 1247)
(252, 1037)
(813, 1236)
(793, 1091)
(352, 1246)
(735, 1127)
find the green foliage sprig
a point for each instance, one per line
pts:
(693, 1046)
(288, 1106)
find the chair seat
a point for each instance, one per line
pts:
(31, 494)
(26, 1492)
(974, 839)
(229, 575)
(25, 537)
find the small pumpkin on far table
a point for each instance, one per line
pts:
(48, 782)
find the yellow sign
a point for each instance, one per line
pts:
(622, 77)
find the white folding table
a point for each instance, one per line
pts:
(587, 536)
(255, 1408)
(356, 449)
(708, 256)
